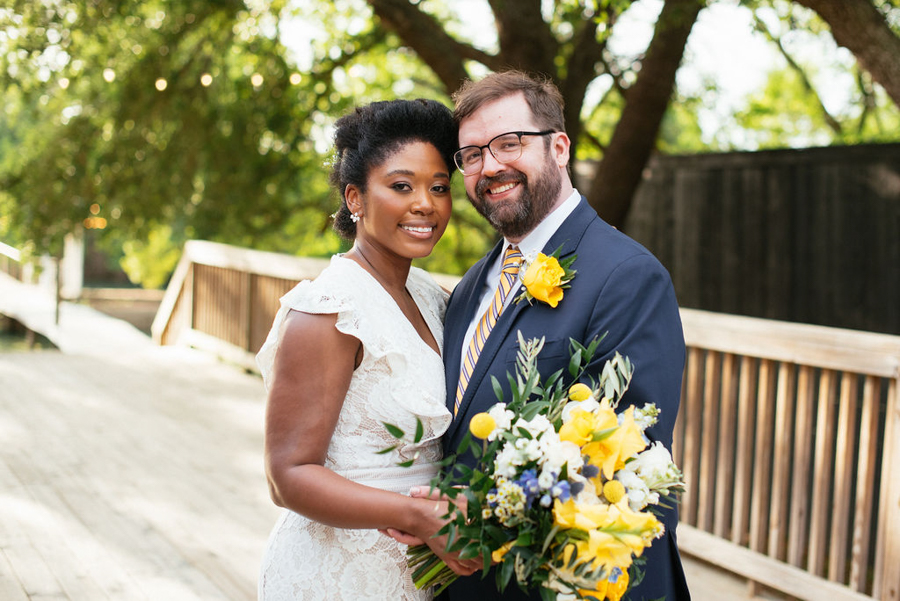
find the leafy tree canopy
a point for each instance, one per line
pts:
(178, 119)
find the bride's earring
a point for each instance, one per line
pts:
(354, 217)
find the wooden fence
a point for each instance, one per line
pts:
(788, 434)
(810, 236)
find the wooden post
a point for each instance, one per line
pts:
(887, 576)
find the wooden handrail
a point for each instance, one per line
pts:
(788, 434)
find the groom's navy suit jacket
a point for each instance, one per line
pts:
(619, 289)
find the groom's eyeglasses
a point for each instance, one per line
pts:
(506, 148)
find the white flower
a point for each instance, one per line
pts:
(639, 495)
(502, 417)
(653, 464)
(537, 426)
(547, 478)
(527, 259)
(646, 416)
(529, 450)
(590, 405)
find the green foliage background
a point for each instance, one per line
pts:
(191, 119)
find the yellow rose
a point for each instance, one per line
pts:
(579, 392)
(543, 279)
(482, 425)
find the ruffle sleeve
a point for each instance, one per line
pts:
(367, 312)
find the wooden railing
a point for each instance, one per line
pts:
(789, 437)
(788, 434)
(10, 258)
(223, 299)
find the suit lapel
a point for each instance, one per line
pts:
(568, 236)
(466, 297)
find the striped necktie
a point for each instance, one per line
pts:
(508, 273)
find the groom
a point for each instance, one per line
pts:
(514, 156)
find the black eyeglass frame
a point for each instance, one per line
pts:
(457, 156)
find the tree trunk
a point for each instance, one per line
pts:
(858, 26)
(619, 173)
(526, 41)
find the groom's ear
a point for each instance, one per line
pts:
(560, 148)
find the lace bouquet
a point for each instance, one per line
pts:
(564, 487)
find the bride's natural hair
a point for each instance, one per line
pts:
(365, 137)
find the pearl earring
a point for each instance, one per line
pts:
(354, 217)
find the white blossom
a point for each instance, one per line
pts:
(590, 405)
(639, 494)
(654, 465)
(502, 417)
(646, 416)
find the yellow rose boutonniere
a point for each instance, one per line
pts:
(545, 278)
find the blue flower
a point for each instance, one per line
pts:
(561, 490)
(576, 488)
(528, 482)
(590, 471)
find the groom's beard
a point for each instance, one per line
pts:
(516, 218)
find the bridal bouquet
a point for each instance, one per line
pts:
(564, 488)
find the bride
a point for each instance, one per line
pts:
(355, 348)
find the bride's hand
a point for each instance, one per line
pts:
(438, 544)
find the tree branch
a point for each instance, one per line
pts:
(858, 26)
(761, 26)
(421, 32)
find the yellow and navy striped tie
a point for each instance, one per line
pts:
(511, 262)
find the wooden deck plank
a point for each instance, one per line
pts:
(130, 472)
(10, 586)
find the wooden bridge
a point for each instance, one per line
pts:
(130, 470)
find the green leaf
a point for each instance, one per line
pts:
(504, 574)
(394, 430)
(575, 363)
(498, 390)
(420, 430)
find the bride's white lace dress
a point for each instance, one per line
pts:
(400, 378)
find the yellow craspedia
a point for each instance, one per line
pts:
(482, 425)
(613, 491)
(579, 392)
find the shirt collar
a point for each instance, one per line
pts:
(537, 238)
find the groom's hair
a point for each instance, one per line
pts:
(366, 136)
(541, 94)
